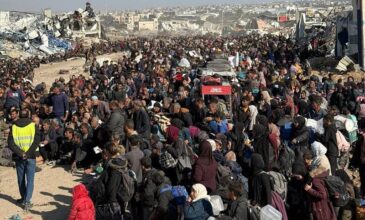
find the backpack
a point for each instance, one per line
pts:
(253, 212)
(126, 188)
(166, 160)
(286, 160)
(280, 183)
(222, 173)
(337, 191)
(342, 144)
(241, 178)
(179, 194)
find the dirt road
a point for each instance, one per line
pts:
(51, 198)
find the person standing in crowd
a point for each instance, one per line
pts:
(59, 103)
(261, 186)
(320, 205)
(141, 120)
(23, 140)
(329, 140)
(134, 157)
(82, 206)
(116, 121)
(205, 167)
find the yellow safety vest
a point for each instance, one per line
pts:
(24, 136)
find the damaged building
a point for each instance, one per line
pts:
(28, 34)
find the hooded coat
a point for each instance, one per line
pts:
(300, 134)
(261, 186)
(298, 207)
(205, 167)
(262, 145)
(82, 206)
(319, 200)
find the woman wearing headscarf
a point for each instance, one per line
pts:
(320, 204)
(260, 186)
(205, 167)
(320, 161)
(300, 136)
(298, 207)
(262, 145)
(253, 113)
(265, 104)
(199, 207)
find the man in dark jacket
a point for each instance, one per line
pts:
(329, 140)
(163, 198)
(24, 140)
(59, 103)
(300, 136)
(14, 96)
(243, 114)
(148, 188)
(237, 210)
(134, 157)
(116, 121)
(141, 120)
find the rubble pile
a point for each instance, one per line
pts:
(26, 35)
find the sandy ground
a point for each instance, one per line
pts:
(51, 198)
(49, 72)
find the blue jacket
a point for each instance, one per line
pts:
(60, 104)
(219, 127)
(198, 210)
(14, 98)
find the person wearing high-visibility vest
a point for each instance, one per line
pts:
(24, 140)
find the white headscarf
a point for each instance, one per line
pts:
(201, 192)
(253, 114)
(318, 150)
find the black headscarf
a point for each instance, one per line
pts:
(257, 163)
(261, 143)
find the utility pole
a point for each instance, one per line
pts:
(222, 21)
(361, 28)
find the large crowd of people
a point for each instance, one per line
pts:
(285, 139)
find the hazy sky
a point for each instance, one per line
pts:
(67, 5)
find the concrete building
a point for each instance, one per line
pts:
(4, 17)
(148, 25)
(347, 38)
(47, 13)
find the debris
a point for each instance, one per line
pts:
(26, 35)
(64, 72)
(344, 63)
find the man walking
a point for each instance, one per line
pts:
(24, 140)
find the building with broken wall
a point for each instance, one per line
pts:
(27, 34)
(347, 32)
